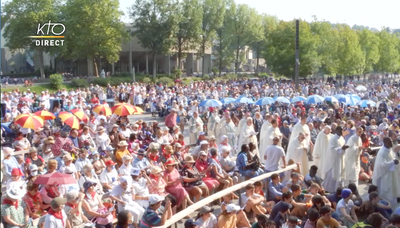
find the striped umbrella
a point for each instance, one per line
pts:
(123, 109)
(69, 119)
(227, 100)
(365, 103)
(80, 114)
(138, 110)
(211, 103)
(297, 99)
(29, 120)
(46, 115)
(102, 108)
(331, 99)
(314, 99)
(244, 100)
(282, 100)
(265, 101)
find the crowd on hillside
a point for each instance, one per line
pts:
(140, 174)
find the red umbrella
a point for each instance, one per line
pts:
(26, 99)
(55, 178)
(80, 114)
(46, 115)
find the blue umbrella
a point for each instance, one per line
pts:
(314, 99)
(355, 96)
(227, 100)
(354, 99)
(282, 100)
(244, 100)
(331, 99)
(297, 99)
(344, 99)
(211, 103)
(365, 103)
(265, 101)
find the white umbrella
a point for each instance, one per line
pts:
(361, 88)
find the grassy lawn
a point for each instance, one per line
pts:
(35, 88)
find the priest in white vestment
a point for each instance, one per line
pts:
(248, 135)
(212, 123)
(321, 148)
(228, 128)
(220, 124)
(352, 157)
(263, 133)
(241, 124)
(271, 133)
(386, 175)
(297, 151)
(195, 127)
(301, 127)
(335, 172)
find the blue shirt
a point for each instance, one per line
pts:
(241, 161)
(9, 165)
(140, 164)
(274, 190)
(150, 218)
(397, 211)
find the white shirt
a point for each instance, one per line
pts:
(274, 154)
(109, 177)
(80, 163)
(72, 166)
(125, 170)
(209, 223)
(52, 222)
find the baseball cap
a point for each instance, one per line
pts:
(190, 223)
(346, 193)
(232, 207)
(153, 199)
(34, 170)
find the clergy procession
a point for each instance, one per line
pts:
(71, 159)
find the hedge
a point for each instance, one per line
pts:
(56, 81)
(80, 83)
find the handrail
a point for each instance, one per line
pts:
(177, 217)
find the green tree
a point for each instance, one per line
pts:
(213, 17)
(281, 49)
(257, 40)
(155, 24)
(243, 18)
(189, 16)
(389, 60)
(93, 30)
(349, 53)
(327, 45)
(369, 42)
(22, 20)
(223, 41)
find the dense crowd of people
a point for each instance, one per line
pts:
(140, 174)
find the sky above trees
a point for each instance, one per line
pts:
(383, 13)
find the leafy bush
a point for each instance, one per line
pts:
(165, 80)
(56, 81)
(263, 75)
(80, 83)
(101, 81)
(177, 73)
(206, 77)
(146, 80)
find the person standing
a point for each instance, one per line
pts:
(386, 175)
(170, 120)
(335, 172)
(321, 149)
(352, 157)
(272, 156)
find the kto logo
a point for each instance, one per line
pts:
(49, 34)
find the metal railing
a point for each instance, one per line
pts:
(179, 216)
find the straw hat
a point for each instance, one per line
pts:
(49, 140)
(7, 151)
(139, 121)
(123, 143)
(155, 170)
(189, 159)
(15, 193)
(100, 129)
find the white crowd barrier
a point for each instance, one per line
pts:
(179, 216)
